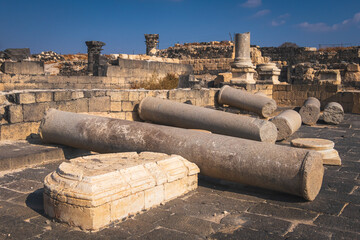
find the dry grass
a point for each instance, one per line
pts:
(170, 81)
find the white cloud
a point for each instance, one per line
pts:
(261, 13)
(323, 27)
(251, 3)
(276, 23)
(280, 20)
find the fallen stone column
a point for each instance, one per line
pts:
(287, 122)
(310, 112)
(261, 105)
(291, 170)
(333, 113)
(182, 115)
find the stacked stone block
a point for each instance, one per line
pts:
(21, 115)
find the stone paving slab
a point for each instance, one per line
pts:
(18, 154)
(216, 210)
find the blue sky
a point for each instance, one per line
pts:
(64, 25)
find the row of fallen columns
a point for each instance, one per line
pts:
(230, 153)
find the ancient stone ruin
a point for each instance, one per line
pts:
(200, 140)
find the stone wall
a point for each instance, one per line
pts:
(295, 95)
(303, 54)
(204, 50)
(209, 66)
(22, 111)
(140, 70)
(23, 68)
(120, 76)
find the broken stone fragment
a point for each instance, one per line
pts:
(333, 113)
(287, 123)
(310, 112)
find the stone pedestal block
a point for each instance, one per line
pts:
(242, 75)
(325, 147)
(93, 191)
(268, 73)
(242, 67)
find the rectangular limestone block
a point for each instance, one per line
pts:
(18, 131)
(25, 98)
(93, 191)
(62, 95)
(99, 104)
(14, 113)
(43, 97)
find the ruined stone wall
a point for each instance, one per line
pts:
(205, 50)
(295, 95)
(209, 57)
(300, 55)
(120, 76)
(22, 111)
(135, 71)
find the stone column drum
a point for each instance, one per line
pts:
(287, 122)
(333, 113)
(310, 112)
(188, 116)
(261, 105)
(291, 170)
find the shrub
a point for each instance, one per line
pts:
(170, 81)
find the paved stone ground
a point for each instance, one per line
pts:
(217, 210)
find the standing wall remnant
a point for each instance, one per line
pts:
(281, 168)
(187, 116)
(94, 50)
(152, 41)
(261, 105)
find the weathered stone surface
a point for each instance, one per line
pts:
(26, 67)
(287, 122)
(325, 147)
(15, 113)
(263, 106)
(310, 112)
(265, 165)
(18, 131)
(353, 67)
(25, 98)
(18, 154)
(188, 116)
(333, 113)
(331, 76)
(91, 192)
(43, 96)
(313, 143)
